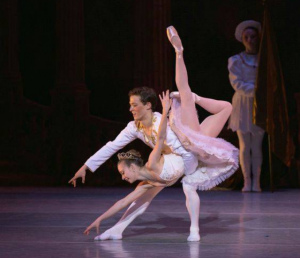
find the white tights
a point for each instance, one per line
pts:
(251, 157)
(137, 208)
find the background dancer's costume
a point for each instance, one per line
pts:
(242, 75)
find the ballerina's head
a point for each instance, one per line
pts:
(129, 165)
(142, 101)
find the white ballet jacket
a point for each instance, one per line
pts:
(130, 133)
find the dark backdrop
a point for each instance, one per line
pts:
(207, 31)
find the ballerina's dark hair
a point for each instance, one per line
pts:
(131, 157)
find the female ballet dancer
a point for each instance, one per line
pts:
(218, 159)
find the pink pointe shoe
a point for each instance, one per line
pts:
(174, 39)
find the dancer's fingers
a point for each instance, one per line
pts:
(73, 181)
(87, 231)
(83, 179)
(160, 98)
(98, 231)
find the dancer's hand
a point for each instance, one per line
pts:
(80, 173)
(95, 224)
(166, 102)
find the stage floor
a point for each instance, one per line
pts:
(48, 222)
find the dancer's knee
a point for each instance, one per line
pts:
(227, 108)
(189, 190)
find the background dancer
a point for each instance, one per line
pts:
(242, 75)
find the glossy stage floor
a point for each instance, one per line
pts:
(48, 222)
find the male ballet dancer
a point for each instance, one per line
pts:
(144, 127)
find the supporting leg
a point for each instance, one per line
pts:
(257, 158)
(137, 208)
(193, 207)
(245, 159)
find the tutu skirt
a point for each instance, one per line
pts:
(218, 159)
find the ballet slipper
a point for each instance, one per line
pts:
(174, 39)
(194, 235)
(108, 235)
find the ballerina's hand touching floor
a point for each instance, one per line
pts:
(95, 224)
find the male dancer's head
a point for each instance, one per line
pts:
(142, 101)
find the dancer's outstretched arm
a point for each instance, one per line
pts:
(119, 205)
(161, 136)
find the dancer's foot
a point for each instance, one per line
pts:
(256, 188)
(110, 234)
(194, 235)
(174, 39)
(246, 189)
(247, 185)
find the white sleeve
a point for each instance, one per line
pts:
(127, 135)
(236, 80)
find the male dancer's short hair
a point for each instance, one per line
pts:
(146, 95)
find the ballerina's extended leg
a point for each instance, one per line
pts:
(137, 208)
(221, 110)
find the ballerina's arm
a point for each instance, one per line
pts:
(119, 205)
(156, 153)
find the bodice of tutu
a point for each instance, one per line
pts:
(173, 168)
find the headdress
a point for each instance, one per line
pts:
(244, 25)
(128, 155)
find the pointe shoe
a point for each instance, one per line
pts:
(176, 43)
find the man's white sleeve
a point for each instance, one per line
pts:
(128, 134)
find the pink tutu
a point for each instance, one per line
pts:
(218, 159)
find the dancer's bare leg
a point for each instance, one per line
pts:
(221, 110)
(193, 207)
(137, 208)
